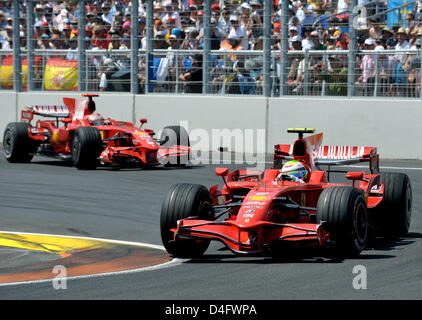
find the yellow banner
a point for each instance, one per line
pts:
(6, 72)
(61, 74)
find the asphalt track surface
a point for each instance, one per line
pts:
(51, 197)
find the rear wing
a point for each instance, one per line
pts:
(46, 111)
(72, 108)
(311, 151)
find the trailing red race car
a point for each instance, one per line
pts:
(292, 204)
(82, 135)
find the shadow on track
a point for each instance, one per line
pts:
(312, 255)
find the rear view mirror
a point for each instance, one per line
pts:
(222, 172)
(352, 175)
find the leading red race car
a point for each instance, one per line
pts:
(80, 134)
(268, 210)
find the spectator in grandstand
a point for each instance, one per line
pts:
(368, 66)
(335, 76)
(390, 38)
(108, 69)
(224, 21)
(307, 42)
(172, 11)
(375, 31)
(413, 67)
(56, 41)
(385, 72)
(258, 44)
(304, 12)
(245, 77)
(99, 37)
(3, 20)
(160, 41)
(107, 15)
(342, 6)
(45, 41)
(317, 44)
(320, 6)
(66, 36)
(73, 45)
(295, 75)
(402, 44)
(294, 22)
(7, 41)
(342, 40)
(331, 43)
(412, 26)
(256, 19)
(192, 79)
(199, 21)
(215, 11)
(237, 29)
(215, 34)
(191, 41)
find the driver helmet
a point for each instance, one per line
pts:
(295, 169)
(95, 119)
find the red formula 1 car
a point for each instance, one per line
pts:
(80, 134)
(268, 211)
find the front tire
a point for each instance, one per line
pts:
(171, 136)
(183, 201)
(343, 212)
(86, 148)
(393, 215)
(17, 146)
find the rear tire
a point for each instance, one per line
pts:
(17, 146)
(86, 148)
(171, 136)
(183, 201)
(393, 215)
(344, 214)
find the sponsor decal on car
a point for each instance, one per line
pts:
(258, 198)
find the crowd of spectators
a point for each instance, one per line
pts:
(235, 25)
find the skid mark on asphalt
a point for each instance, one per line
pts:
(82, 257)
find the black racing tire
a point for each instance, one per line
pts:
(171, 136)
(343, 212)
(182, 201)
(393, 214)
(86, 148)
(17, 146)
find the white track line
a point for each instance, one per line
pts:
(174, 262)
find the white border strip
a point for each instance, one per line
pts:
(173, 262)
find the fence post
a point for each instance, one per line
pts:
(306, 76)
(82, 74)
(351, 77)
(17, 63)
(30, 44)
(149, 48)
(206, 48)
(267, 48)
(134, 46)
(284, 47)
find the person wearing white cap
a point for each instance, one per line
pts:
(240, 32)
(368, 66)
(369, 42)
(305, 12)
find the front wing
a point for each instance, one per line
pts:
(251, 239)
